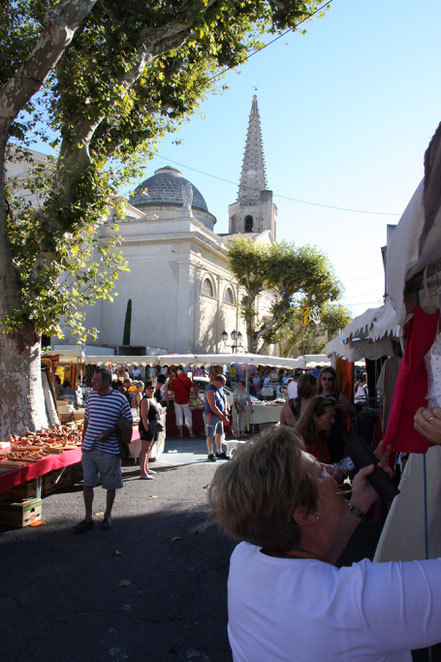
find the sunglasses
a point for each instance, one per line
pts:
(344, 490)
(150, 388)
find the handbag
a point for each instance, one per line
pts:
(155, 426)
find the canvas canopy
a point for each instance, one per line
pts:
(199, 360)
(414, 245)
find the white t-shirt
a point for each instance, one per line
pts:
(292, 389)
(304, 610)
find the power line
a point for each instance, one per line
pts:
(277, 195)
(247, 57)
(356, 296)
(365, 303)
(352, 280)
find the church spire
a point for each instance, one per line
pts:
(253, 177)
(254, 212)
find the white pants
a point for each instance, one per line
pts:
(180, 412)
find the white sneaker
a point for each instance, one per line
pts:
(150, 471)
(146, 477)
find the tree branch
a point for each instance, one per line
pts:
(60, 25)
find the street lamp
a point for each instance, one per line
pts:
(235, 336)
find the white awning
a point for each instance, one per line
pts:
(360, 325)
(199, 359)
(336, 347)
(229, 359)
(403, 251)
(385, 323)
(313, 360)
(114, 359)
(412, 247)
(373, 324)
(368, 336)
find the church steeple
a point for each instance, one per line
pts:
(253, 177)
(254, 211)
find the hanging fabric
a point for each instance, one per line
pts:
(404, 536)
(411, 385)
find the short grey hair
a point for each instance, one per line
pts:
(106, 375)
(254, 496)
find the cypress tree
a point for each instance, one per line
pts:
(127, 323)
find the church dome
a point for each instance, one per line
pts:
(165, 188)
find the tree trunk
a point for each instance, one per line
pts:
(21, 392)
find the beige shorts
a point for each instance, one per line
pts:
(106, 464)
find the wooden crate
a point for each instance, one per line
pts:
(50, 483)
(76, 472)
(19, 513)
(23, 491)
(66, 418)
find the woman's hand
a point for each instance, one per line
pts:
(363, 494)
(428, 423)
(382, 454)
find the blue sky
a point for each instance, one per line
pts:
(347, 111)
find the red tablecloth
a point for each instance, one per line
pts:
(39, 468)
(44, 466)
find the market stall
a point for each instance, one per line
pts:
(197, 360)
(32, 456)
(264, 414)
(27, 472)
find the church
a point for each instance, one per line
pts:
(183, 296)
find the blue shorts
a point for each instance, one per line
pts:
(108, 465)
(214, 426)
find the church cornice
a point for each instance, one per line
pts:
(214, 249)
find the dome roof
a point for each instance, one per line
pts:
(165, 188)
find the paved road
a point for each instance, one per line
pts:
(61, 597)
(60, 593)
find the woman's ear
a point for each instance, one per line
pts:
(302, 517)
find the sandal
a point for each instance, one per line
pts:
(83, 526)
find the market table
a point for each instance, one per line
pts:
(158, 446)
(37, 469)
(265, 414)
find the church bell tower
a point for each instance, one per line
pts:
(254, 210)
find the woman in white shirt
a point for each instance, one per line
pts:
(287, 601)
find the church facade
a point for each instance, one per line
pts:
(183, 296)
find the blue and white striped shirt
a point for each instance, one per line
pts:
(102, 412)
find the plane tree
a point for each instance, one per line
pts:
(100, 80)
(300, 278)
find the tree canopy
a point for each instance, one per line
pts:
(300, 277)
(100, 81)
(111, 78)
(311, 328)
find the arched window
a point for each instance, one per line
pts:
(207, 287)
(248, 224)
(228, 295)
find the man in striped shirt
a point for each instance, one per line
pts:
(104, 407)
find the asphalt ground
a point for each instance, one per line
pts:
(150, 588)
